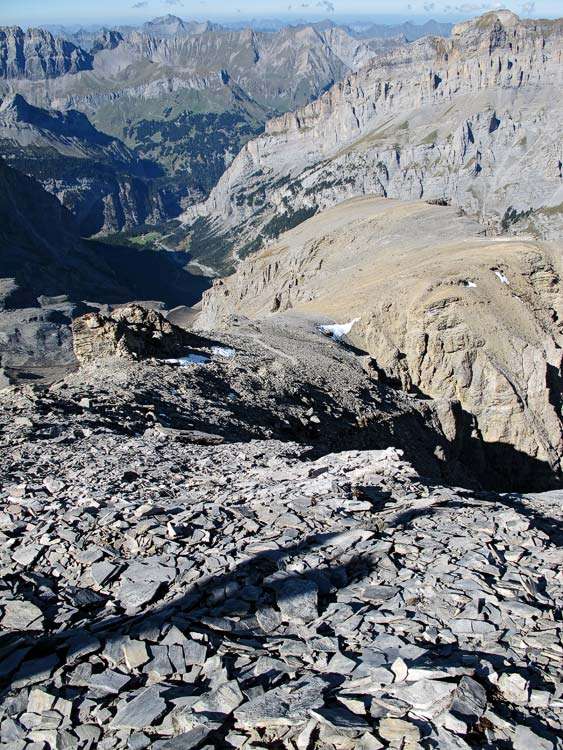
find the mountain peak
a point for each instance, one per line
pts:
(168, 18)
(505, 17)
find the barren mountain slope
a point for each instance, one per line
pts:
(181, 569)
(475, 121)
(441, 308)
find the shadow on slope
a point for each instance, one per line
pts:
(43, 252)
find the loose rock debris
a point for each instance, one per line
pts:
(171, 595)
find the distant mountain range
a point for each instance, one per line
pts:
(171, 25)
(172, 101)
(473, 121)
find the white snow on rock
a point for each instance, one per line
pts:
(501, 277)
(338, 330)
(223, 351)
(189, 359)
(470, 284)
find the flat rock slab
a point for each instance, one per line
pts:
(297, 599)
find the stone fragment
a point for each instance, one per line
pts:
(468, 705)
(27, 555)
(108, 681)
(525, 739)
(135, 594)
(142, 711)
(40, 701)
(33, 671)
(223, 699)
(101, 572)
(399, 669)
(514, 687)
(395, 730)
(185, 741)
(20, 615)
(427, 697)
(282, 706)
(194, 653)
(341, 721)
(135, 653)
(368, 742)
(297, 599)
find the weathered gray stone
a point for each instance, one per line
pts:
(142, 711)
(468, 705)
(297, 599)
(135, 653)
(108, 681)
(282, 706)
(20, 615)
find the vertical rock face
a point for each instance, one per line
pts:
(35, 54)
(474, 120)
(103, 183)
(443, 311)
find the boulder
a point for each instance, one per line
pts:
(132, 332)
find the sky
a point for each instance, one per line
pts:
(37, 12)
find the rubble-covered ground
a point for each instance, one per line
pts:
(178, 574)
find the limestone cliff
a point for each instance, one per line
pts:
(36, 54)
(474, 121)
(441, 308)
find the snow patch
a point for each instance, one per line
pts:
(338, 330)
(502, 278)
(470, 284)
(189, 359)
(223, 351)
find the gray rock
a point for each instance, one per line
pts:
(341, 721)
(108, 681)
(142, 711)
(184, 741)
(135, 594)
(468, 705)
(282, 706)
(224, 699)
(135, 653)
(525, 739)
(20, 615)
(297, 599)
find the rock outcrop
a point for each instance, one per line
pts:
(442, 309)
(131, 331)
(36, 55)
(474, 121)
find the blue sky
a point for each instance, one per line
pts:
(26, 12)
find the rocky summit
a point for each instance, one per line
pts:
(203, 551)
